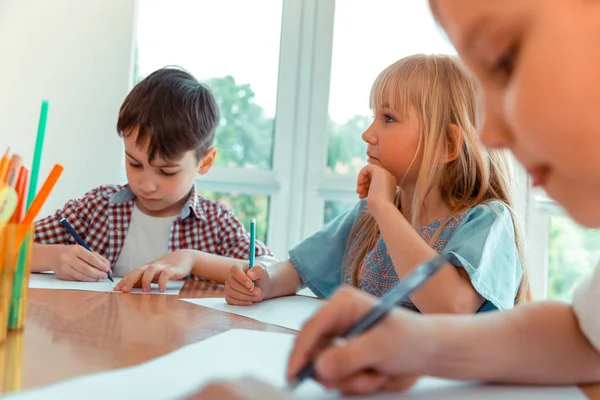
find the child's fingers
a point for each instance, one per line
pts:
(86, 269)
(148, 277)
(78, 276)
(238, 273)
(362, 383)
(232, 283)
(165, 276)
(343, 309)
(130, 280)
(255, 273)
(362, 191)
(103, 259)
(362, 185)
(241, 296)
(365, 174)
(235, 302)
(92, 260)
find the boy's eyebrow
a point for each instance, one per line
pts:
(130, 156)
(166, 164)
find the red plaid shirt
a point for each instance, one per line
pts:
(101, 217)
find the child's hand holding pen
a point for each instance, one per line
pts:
(75, 263)
(391, 355)
(247, 283)
(240, 289)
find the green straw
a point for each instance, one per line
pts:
(37, 155)
(13, 318)
(13, 315)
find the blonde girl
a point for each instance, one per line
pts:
(429, 187)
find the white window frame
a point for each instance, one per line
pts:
(304, 23)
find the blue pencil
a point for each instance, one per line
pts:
(252, 242)
(79, 240)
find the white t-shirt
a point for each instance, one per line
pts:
(586, 300)
(147, 239)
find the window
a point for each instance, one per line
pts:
(334, 209)
(246, 207)
(292, 78)
(559, 251)
(573, 252)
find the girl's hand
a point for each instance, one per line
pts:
(239, 289)
(377, 185)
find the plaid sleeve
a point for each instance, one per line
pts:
(79, 214)
(235, 241)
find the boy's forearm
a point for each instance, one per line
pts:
(535, 343)
(42, 256)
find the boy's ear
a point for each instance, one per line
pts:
(455, 142)
(207, 160)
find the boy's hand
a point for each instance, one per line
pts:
(377, 185)
(239, 289)
(75, 263)
(171, 267)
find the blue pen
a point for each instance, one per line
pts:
(79, 240)
(388, 302)
(252, 242)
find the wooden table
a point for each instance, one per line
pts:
(70, 333)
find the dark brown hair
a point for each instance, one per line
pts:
(173, 112)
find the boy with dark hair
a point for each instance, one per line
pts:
(156, 225)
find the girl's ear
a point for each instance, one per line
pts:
(455, 142)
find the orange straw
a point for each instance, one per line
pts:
(38, 202)
(21, 189)
(4, 165)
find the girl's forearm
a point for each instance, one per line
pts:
(447, 291)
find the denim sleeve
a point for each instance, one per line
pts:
(319, 258)
(484, 245)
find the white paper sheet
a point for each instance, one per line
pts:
(306, 292)
(289, 312)
(50, 281)
(262, 355)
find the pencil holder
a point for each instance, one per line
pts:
(8, 260)
(14, 278)
(10, 376)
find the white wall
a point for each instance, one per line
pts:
(78, 55)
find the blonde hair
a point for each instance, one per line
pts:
(444, 93)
